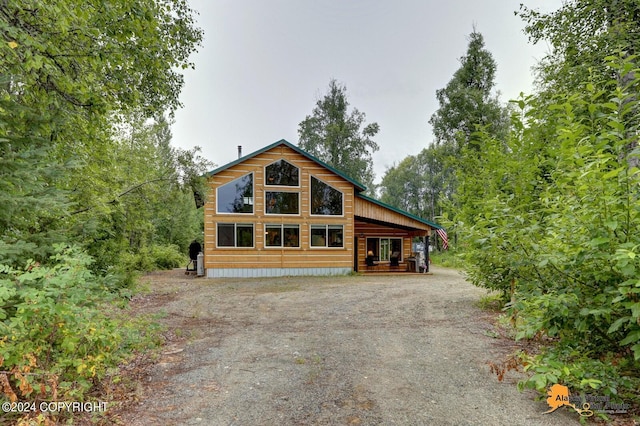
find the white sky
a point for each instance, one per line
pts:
(264, 63)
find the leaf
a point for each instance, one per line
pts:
(634, 336)
(617, 324)
(599, 241)
(636, 351)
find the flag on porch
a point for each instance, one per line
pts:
(445, 239)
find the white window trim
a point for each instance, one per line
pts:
(386, 238)
(282, 214)
(264, 174)
(326, 236)
(235, 236)
(253, 195)
(311, 200)
(282, 226)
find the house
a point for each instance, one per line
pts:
(281, 211)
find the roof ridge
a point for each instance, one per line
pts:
(299, 150)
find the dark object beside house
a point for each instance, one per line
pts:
(395, 258)
(194, 249)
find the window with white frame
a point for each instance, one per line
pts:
(282, 235)
(281, 173)
(384, 249)
(236, 196)
(277, 202)
(235, 235)
(325, 199)
(327, 236)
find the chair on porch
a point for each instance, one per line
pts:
(395, 259)
(371, 260)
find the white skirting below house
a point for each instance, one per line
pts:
(273, 272)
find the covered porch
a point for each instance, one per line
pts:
(384, 238)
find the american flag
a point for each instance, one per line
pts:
(445, 239)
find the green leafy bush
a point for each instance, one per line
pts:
(554, 216)
(168, 256)
(153, 258)
(58, 338)
(613, 376)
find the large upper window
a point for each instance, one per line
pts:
(281, 173)
(325, 200)
(281, 202)
(236, 196)
(235, 235)
(327, 236)
(282, 235)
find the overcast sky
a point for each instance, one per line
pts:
(265, 63)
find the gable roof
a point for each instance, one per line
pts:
(359, 187)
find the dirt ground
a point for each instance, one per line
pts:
(355, 350)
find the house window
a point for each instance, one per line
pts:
(235, 235)
(327, 236)
(325, 200)
(281, 173)
(281, 202)
(385, 248)
(236, 196)
(283, 235)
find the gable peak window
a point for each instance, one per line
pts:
(281, 173)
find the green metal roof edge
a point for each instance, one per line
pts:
(402, 212)
(357, 184)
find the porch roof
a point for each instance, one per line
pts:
(372, 210)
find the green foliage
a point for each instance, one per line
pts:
(99, 56)
(58, 339)
(448, 258)
(150, 187)
(610, 375)
(155, 257)
(549, 218)
(581, 33)
(467, 101)
(87, 175)
(337, 137)
(418, 182)
(424, 184)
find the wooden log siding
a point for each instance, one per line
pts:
(371, 230)
(268, 257)
(367, 209)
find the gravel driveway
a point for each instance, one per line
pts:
(355, 350)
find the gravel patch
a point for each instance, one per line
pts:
(354, 350)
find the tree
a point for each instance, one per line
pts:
(468, 100)
(67, 81)
(551, 222)
(581, 34)
(417, 183)
(337, 136)
(71, 72)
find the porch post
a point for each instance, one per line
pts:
(426, 253)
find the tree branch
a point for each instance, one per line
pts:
(122, 194)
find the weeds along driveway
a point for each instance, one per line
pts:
(368, 350)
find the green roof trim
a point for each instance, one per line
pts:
(402, 212)
(358, 185)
